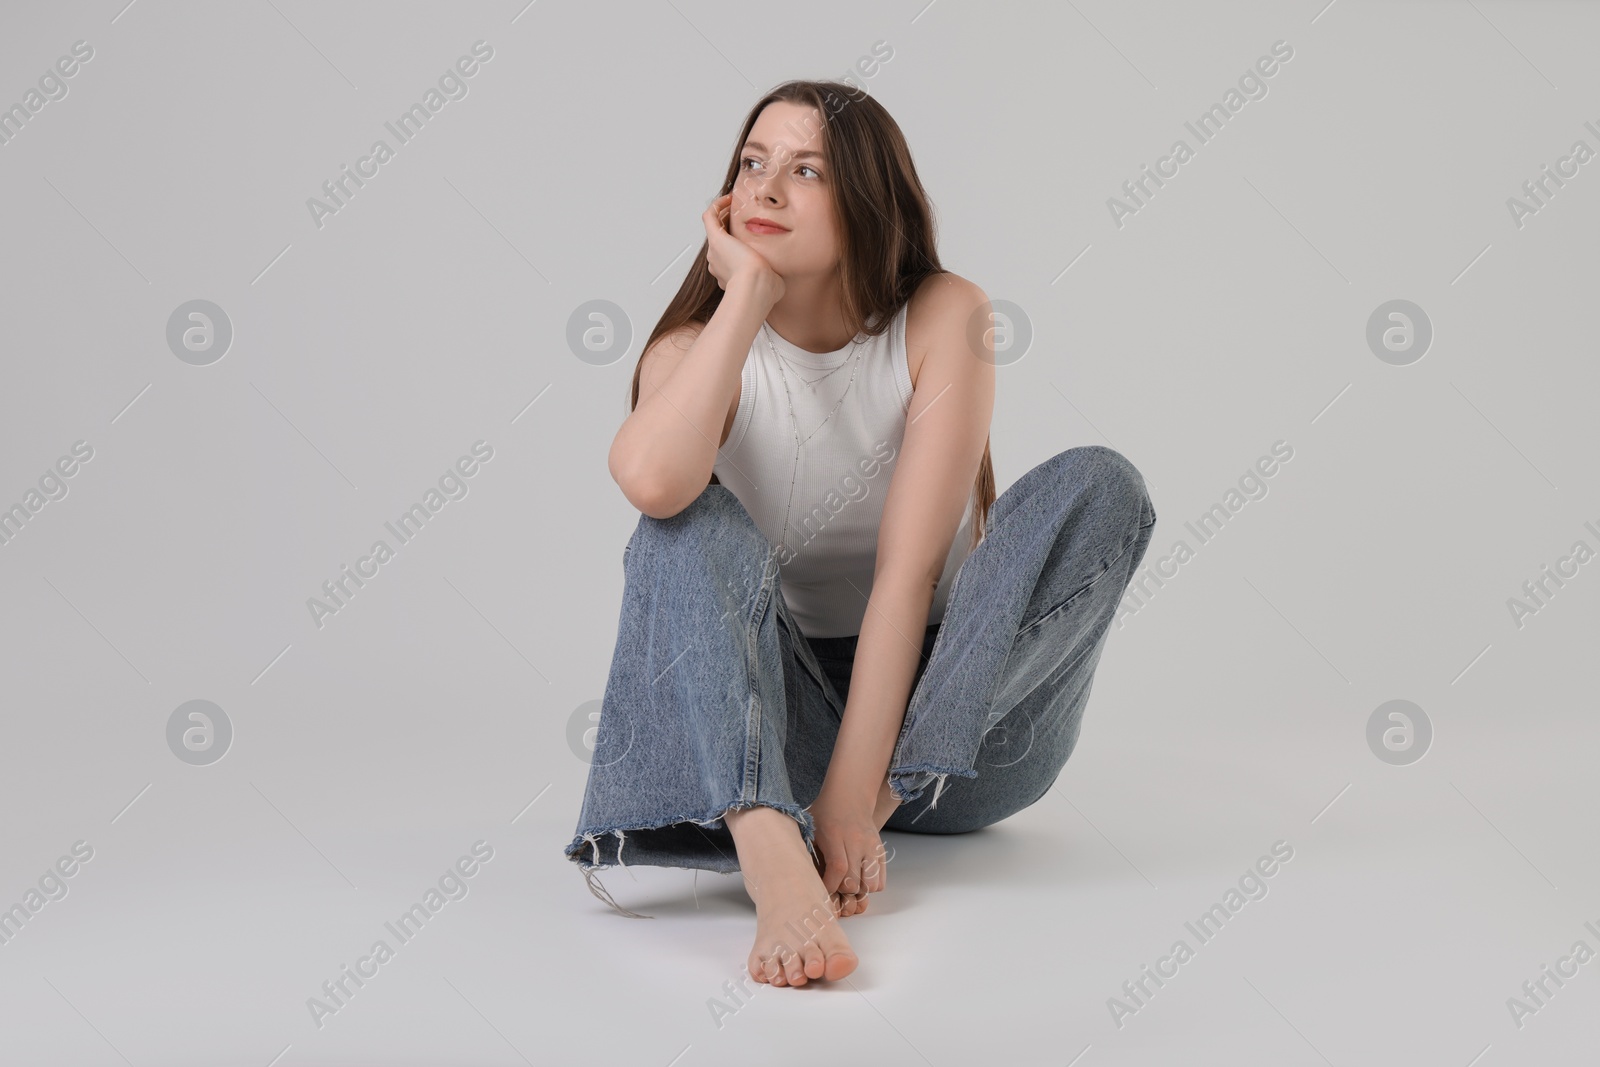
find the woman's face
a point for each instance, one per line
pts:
(785, 177)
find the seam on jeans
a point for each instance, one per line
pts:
(907, 720)
(806, 657)
(749, 785)
(1106, 570)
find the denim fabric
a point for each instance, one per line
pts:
(715, 700)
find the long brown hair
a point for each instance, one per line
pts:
(888, 232)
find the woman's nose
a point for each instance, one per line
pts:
(764, 187)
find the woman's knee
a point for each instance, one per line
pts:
(715, 527)
(1111, 475)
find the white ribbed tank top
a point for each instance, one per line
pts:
(843, 473)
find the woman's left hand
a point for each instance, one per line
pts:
(847, 840)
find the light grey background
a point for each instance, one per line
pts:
(433, 711)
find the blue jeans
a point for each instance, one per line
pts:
(715, 700)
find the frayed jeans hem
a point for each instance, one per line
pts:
(923, 775)
(601, 856)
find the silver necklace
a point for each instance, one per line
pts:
(794, 421)
(811, 383)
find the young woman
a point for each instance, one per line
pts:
(826, 609)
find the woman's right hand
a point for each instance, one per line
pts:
(734, 263)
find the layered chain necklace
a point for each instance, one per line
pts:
(794, 420)
(810, 382)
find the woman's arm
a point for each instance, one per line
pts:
(946, 427)
(663, 455)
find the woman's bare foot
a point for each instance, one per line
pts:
(798, 938)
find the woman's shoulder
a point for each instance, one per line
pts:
(940, 303)
(939, 297)
(945, 286)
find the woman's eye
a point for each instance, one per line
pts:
(744, 165)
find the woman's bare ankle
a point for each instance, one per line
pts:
(761, 824)
(767, 840)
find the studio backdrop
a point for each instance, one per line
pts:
(320, 320)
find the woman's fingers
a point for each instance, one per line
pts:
(866, 869)
(715, 219)
(838, 871)
(718, 208)
(873, 877)
(881, 879)
(874, 871)
(713, 215)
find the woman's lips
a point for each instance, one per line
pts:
(754, 226)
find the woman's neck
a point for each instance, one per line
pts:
(811, 314)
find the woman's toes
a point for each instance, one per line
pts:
(794, 969)
(839, 964)
(816, 963)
